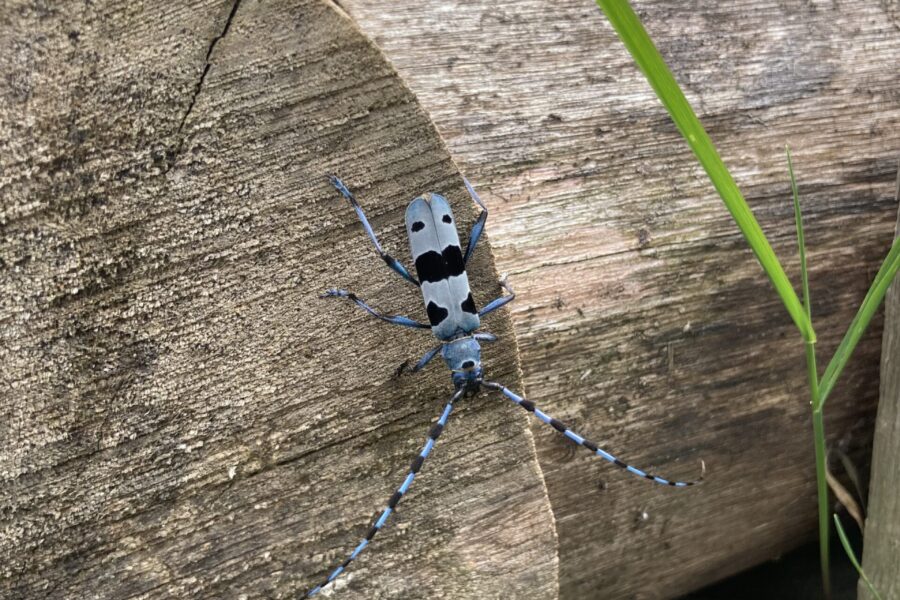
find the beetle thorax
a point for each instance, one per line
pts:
(463, 358)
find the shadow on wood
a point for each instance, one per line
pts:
(181, 415)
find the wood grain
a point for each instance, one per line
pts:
(642, 317)
(181, 416)
(882, 548)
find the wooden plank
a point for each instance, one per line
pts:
(642, 318)
(882, 548)
(181, 415)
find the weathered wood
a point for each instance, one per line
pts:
(181, 416)
(642, 317)
(881, 552)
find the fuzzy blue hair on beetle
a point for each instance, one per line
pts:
(454, 320)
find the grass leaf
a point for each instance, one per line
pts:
(647, 57)
(801, 239)
(812, 374)
(858, 326)
(846, 544)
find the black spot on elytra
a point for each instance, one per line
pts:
(468, 305)
(418, 226)
(436, 314)
(430, 267)
(447, 219)
(468, 364)
(454, 259)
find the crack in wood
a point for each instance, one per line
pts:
(197, 88)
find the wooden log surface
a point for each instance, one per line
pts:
(181, 416)
(642, 317)
(881, 555)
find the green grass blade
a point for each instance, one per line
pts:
(812, 374)
(858, 326)
(801, 239)
(846, 544)
(818, 420)
(648, 59)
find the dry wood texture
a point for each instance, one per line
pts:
(882, 548)
(181, 416)
(642, 317)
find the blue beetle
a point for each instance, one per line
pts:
(453, 319)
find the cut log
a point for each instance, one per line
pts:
(642, 316)
(181, 415)
(881, 554)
